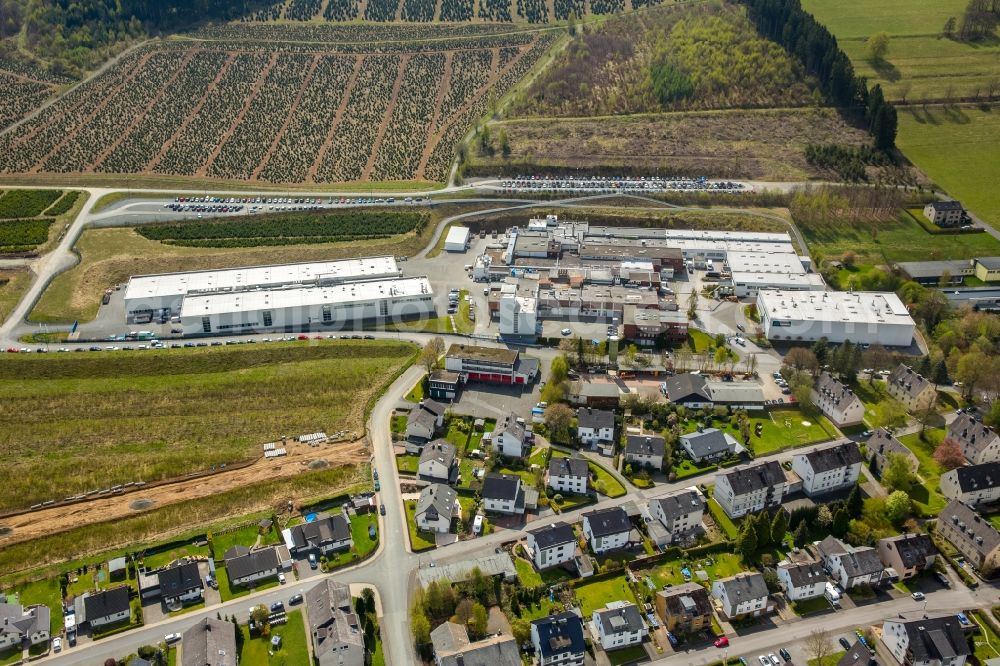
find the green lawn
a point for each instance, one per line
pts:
(627, 655)
(11, 656)
(829, 660)
(606, 484)
(45, 591)
(717, 565)
(526, 572)
(987, 641)
(225, 591)
(926, 496)
(813, 605)
(458, 431)
(416, 394)
(165, 557)
(397, 423)
(294, 649)
(408, 462)
(244, 536)
(879, 407)
(595, 595)
(724, 522)
(527, 476)
(700, 341)
(688, 468)
(419, 540)
(786, 429)
(363, 544)
(465, 468)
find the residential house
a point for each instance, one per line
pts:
(851, 566)
(443, 385)
(829, 468)
(510, 437)
(326, 534)
(974, 537)
(837, 402)
(881, 444)
(988, 269)
(859, 655)
(907, 554)
(911, 389)
(926, 641)
(709, 445)
(680, 512)
(438, 462)
(595, 426)
(491, 365)
(972, 484)
(607, 529)
(424, 420)
(602, 395)
(337, 635)
(736, 395)
(246, 566)
(180, 583)
(452, 647)
(505, 493)
(645, 451)
(750, 488)
(684, 609)
(687, 389)
(558, 640)
(568, 475)
(979, 443)
(802, 580)
(552, 545)
(107, 606)
(741, 595)
(210, 642)
(23, 624)
(619, 626)
(945, 213)
(437, 506)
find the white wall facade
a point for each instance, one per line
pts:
(824, 482)
(807, 591)
(576, 485)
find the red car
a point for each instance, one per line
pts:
(721, 642)
(303, 337)
(12, 350)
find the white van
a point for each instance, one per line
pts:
(832, 595)
(477, 524)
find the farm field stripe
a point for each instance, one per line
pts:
(188, 55)
(155, 162)
(344, 100)
(386, 117)
(228, 134)
(475, 97)
(24, 78)
(437, 9)
(438, 103)
(93, 113)
(399, 10)
(288, 118)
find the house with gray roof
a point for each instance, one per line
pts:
(860, 655)
(744, 594)
(836, 401)
(246, 566)
(972, 484)
(688, 389)
(438, 462)
(607, 529)
(552, 545)
(645, 451)
(881, 444)
(619, 625)
(336, 631)
(506, 494)
(979, 443)
(23, 624)
(852, 566)
(709, 445)
(930, 273)
(974, 537)
(909, 387)
(926, 641)
(802, 580)
(180, 583)
(452, 647)
(907, 554)
(680, 512)
(327, 534)
(423, 421)
(437, 506)
(828, 468)
(595, 425)
(210, 642)
(510, 436)
(107, 606)
(750, 488)
(568, 475)
(945, 213)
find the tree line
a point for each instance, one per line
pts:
(798, 31)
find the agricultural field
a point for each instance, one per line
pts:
(25, 88)
(27, 218)
(764, 144)
(259, 106)
(72, 425)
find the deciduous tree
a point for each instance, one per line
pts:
(948, 454)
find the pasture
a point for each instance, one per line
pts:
(77, 423)
(275, 110)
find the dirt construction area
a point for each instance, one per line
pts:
(300, 458)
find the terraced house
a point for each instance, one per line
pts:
(907, 554)
(851, 566)
(979, 443)
(972, 484)
(750, 488)
(836, 401)
(974, 537)
(802, 580)
(915, 392)
(828, 469)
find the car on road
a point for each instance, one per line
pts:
(774, 660)
(378, 486)
(281, 578)
(295, 599)
(764, 661)
(381, 509)
(312, 561)
(171, 638)
(785, 654)
(721, 642)
(740, 327)
(56, 644)
(565, 331)
(846, 644)
(918, 596)
(277, 607)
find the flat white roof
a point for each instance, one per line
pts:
(458, 235)
(813, 281)
(688, 234)
(303, 297)
(874, 307)
(249, 277)
(728, 246)
(764, 262)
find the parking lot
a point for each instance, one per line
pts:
(619, 184)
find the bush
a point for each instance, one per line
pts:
(23, 235)
(26, 203)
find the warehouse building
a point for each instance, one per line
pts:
(457, 240)
(303, 306)
(151, 296)
(861, 317)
